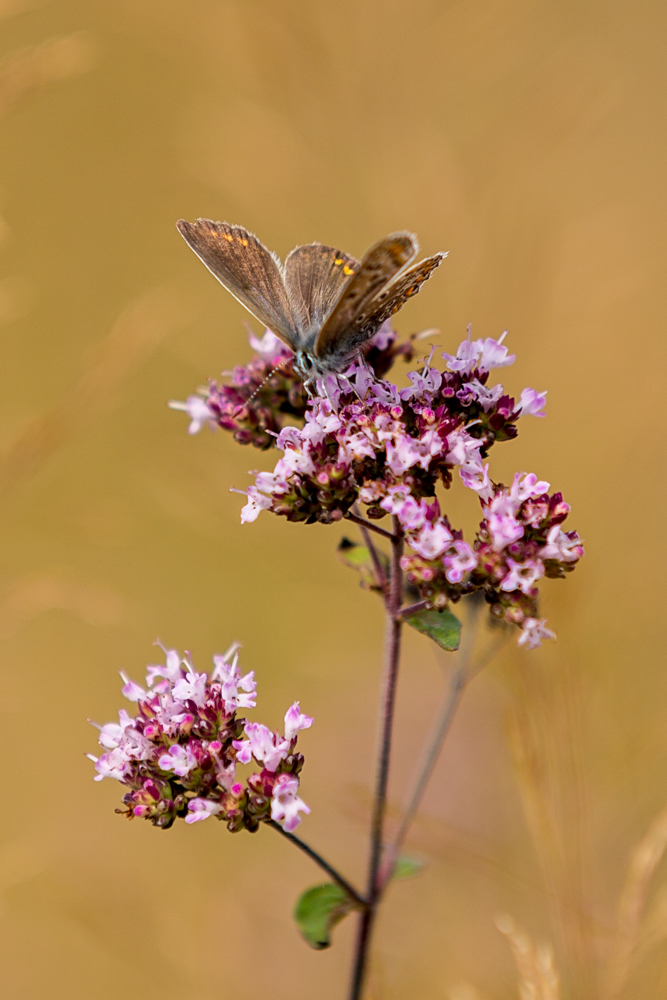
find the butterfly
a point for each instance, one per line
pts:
(322, 303)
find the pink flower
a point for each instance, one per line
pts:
(476, 477)
(131, 690)
(198, 411)
(232, 683)
(522, 576)
(431, 541)
(265, 746)
(295, 721)
(504, 529)
(199, 809)
(483, 354)
(462, 560)
(268, 347)
(114, 764)
(526, 486)
(192, 687)
(463, 448)
(257, 502)
(180, 759)
(487, 398)
(561, 546)
(285, 804)
(532, 403)
(171, 672)
(533, 631)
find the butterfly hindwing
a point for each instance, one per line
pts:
(381, 263)
(315, 276)
(396, 294)
(248, 270)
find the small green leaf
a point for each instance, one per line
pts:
(358, 557)
(441, 626)
(407, 867)
(318, 910)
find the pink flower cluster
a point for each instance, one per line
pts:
(261, 394)
(178, 756)
(365, 441)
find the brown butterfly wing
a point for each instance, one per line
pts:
(395, 295)
(340, 334)
(248, 270)
(386, 303)
(315, 276)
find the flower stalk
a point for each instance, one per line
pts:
(388, 702)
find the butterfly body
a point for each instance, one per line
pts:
(322, 303)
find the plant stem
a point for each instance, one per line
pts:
(461, 677)
(392, 659)
(412, 609)
(370, 526)
(377, 562)
(319, 860)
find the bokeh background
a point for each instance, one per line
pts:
(526, 138)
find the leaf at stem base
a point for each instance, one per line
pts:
(318, 910)
(441, 626)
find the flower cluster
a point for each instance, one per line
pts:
(178, 756)
(365, 441)
(253, 405)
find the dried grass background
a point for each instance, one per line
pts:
(528, 139)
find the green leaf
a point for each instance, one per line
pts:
(358, 557)
(441, 626)
(406, 867)
(318, 910)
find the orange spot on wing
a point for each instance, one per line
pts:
(347, 270)
(339, 261)
(242, 242)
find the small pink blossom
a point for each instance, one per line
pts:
(114, 764)
(199, 809)
(460, 561)
(192, 687)
(295, 721)
(476, 477)
(257, 502)
(285, 804)
(560, 546)
(431, 541)
(533, 632)
(131, 690)
(180, 759)
(504, 529)
(522, 576)
(532, 403)
(463, 448)
(526, 486)
(268, 346)
(266, 747)
(198, 411)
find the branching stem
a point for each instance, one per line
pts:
(319, 860)
(370, 526)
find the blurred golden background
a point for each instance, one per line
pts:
(526, 138)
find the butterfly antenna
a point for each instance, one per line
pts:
(262, 384)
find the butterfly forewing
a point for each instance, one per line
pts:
(248, 270)
(315, 276)
(377, 268)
